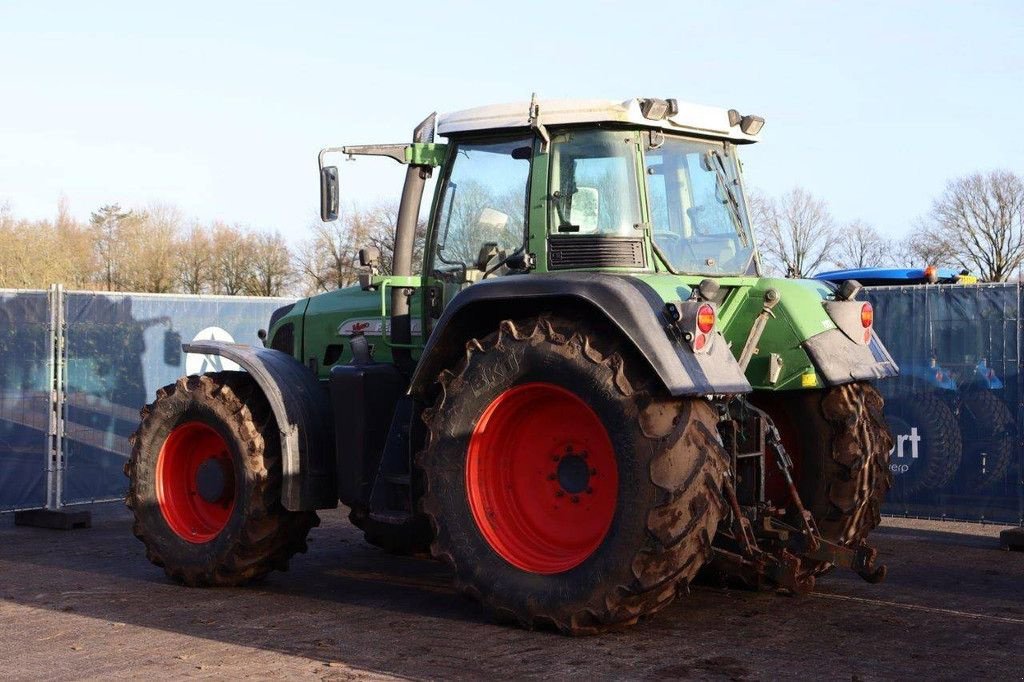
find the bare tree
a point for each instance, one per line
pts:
(861, 246)
(151, 240)
(271, 269)
(107, 224)
(327, 260)
(195, 260)
(232, 258)
(925, 245)
(796, 232)
(982, 218)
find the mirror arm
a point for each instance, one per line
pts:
(398, 152)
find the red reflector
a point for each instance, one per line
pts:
(705, 318)
(867, 315)
(700, 342)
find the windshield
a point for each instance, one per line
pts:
(697, 218)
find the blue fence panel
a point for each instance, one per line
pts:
(120, 349)
(25, 403)
(955, 410)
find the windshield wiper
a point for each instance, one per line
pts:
(731, 200)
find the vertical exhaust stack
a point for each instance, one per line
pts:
(405, 238)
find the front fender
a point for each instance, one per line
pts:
(301, 407)
(629, 304)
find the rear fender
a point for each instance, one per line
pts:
(301, 409)
(630, 305)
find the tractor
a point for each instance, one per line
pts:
(583, 396)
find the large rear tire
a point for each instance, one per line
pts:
(840, 445)
(205, 483)
(565, 489)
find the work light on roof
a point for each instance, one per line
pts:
(658, 109)
(749, 124)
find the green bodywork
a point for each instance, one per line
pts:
(798, 316)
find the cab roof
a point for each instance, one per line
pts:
(691, 118)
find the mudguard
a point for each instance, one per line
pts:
(840, 360)
(626, 302)
(301, 408)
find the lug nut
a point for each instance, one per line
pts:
(575, 499)
(559, 493)
(552, 477)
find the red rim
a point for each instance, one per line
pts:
(541, 478)
(195, 482)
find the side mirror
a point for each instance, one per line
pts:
(329, 193)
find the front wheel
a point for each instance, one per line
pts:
(564, 490)
(205, 483)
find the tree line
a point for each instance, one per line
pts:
(975, 223)
(156, 249)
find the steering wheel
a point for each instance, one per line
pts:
(676, 240)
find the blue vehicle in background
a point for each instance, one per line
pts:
(952, 429)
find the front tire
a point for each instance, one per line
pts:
(205, 483)
(565, 490)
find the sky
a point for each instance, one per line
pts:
(220, 108)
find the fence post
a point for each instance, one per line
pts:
(53, 515)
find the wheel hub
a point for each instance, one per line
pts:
(212, 480)
(573, 472)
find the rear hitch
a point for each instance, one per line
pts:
(764, 548)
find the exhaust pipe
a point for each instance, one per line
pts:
(405, 238)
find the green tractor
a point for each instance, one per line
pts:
(585, 395)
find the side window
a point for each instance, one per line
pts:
(484, 203)
(593, 183)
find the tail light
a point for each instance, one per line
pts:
(705, 319)
(695, 320)
(867, 316)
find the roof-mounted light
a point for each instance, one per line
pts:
(658, 109)
(749, 124)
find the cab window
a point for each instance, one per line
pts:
(482, 215)
(593, 183)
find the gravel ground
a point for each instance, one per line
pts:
(86, 604)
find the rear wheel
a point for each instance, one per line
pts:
(840, 445)
(205, 483)
(563, 489)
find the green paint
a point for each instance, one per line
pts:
(426, 154)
